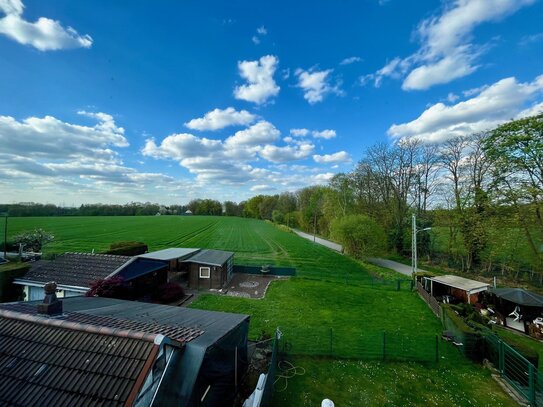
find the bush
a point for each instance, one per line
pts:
(8, 272)
(168, 293)
(114, 287)
(33, 240)
(127, 248)
(360, 235)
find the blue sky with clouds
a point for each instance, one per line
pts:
(167, 101)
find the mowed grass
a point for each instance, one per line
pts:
(320, 298)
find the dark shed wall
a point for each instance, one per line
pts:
(217, 279)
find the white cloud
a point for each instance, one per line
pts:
(44, 34)
(255, 39)
(299, 132)
(452, 97)
(447, 49)
(339, 157)
(289, 153)
(350, 60)
(494, 104)
(531, 111)
(323, 178)
(219, 119)
(530, 39)
(261, 30)
(315, 84)
(51, 138)
(325, 134)
(259, 76)
(262, 132)
(261, 188)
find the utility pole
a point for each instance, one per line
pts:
(5, 235)
(414, 244)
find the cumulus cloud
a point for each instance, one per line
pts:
(259, 76)
(325, 134)
(44, 34)
(219, 119)
(288, 153)
(492, 106)
(315, 84)
(262, 132)
(299, 132)
(339, 157)
(51, 138)
(447, 50)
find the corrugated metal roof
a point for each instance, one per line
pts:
(76, 269)
(42, 364)
(210, 257)
(460, 282)
(169, 254)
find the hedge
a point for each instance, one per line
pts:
(127, 248)
(8, 272)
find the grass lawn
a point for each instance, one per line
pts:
(363, 383)
(513, 338)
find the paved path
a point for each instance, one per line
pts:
(324, 242)
(393, 265)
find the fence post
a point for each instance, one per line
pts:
(501, 357)
(384, 345)
(437, 349)
(331, 347)
(531, 384)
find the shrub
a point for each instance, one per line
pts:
(360, 235)
(8, 272)
(127, 248)
(169, 292)
(114, 287)
(34, 240)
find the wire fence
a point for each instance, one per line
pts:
(519, 372)
(392, 346)
(368, 281)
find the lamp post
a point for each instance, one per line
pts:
(414, 244)
(5, 215)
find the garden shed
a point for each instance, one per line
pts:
(463, 289)
(210, 269)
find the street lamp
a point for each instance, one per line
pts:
(5, 215)
(414, 244)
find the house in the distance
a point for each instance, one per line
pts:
(75, 272)
(102, 351)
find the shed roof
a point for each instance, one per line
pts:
(461, 283)
(210, 257)
(76, 269)
(56, 365)
(519, 296)
(169, 254)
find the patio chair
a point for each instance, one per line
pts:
(539, 322)
(516, 314)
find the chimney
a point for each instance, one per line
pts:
(51, 305)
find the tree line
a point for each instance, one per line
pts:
(481, 195)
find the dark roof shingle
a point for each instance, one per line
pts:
(211, 257)
(76, 269)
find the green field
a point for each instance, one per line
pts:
(321, 298)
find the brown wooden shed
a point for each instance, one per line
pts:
(210, 269)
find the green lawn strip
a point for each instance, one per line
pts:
(369, 383)
(520, 341)
(306, 310)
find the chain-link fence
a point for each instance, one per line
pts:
(393, 346)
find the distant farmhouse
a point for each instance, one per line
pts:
(102, 351)
(75, 272)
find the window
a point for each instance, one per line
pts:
(205, 272)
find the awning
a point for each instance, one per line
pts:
(519, 296)
(465, 284)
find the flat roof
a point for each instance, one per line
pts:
(460, 282)
(519, 296)
(210, 257)
(169, 254)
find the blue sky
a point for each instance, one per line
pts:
(168, 101)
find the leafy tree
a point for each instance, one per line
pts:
(360, 235)
(34, 240)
